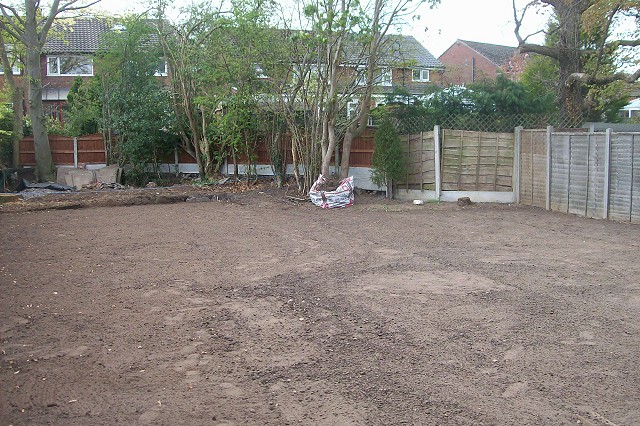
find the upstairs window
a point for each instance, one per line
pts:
(163, 68)
(15, 70)
(69, 65)
(385, 78)
(13, 60)
(421, 75)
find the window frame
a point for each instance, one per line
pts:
(165, 73)
(385, 79)
(58, 64)
(15, 67)
(421, 78)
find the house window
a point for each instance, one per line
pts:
(385, 78)
(421, 75)
(15, 68)
(12, 59)
(163, 69)
(69, 65)
(352, 108)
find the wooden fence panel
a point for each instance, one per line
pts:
(582, 164)
(90, 150)
(477, 161)
(420, 160)
(533, 167)
(596, 174)
(625, 172)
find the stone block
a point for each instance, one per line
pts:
(61, 174)
(81, 178)
(109, 174)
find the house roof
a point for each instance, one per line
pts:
(406, 49)
(83, 35)
(634, 105)
(496, 53)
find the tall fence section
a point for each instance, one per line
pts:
(594, 174)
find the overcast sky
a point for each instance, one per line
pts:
(487, 21)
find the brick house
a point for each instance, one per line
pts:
(67, 54)
(470, 62)
(405, 67)
(67, 57)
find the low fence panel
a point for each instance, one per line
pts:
(90, 150)
(477, 161)
(420, 161)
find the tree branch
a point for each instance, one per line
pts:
(602, 80)
(548, 51)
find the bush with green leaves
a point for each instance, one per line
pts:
(6, 133)
(388, 162)
(127, 102)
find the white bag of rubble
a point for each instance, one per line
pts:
(341, 197)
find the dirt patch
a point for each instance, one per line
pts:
(252, 308)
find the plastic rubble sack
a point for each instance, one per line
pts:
(341, 197)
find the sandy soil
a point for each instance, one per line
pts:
(255, 309)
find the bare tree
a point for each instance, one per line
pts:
(583, 38)
(31, 27)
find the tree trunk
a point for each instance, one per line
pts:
(570, 61)
(44, 162)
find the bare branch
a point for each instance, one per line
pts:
(13, 22)
(602, 80)
(626, 43)
(548, 51)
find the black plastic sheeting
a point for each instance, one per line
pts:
(25, 184)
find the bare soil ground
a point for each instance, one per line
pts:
(251, 308)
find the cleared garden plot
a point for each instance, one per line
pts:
(259, 310)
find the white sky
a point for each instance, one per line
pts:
(487, 21)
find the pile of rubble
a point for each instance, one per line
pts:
(83, 178)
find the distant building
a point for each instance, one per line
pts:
(471, 62)
(631, 110)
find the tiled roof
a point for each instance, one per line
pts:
(408, 50)
(496, 53)
(83, 35)
(396, 50)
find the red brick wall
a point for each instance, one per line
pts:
(459, 60)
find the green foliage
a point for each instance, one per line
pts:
(236, 128)
(84, 113)
(6, 133)
(540, 79)
(129, 99)
(501, 96)
(388, 162)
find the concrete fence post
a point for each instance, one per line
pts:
(75, 152)
(437, 160)
(607, 173)
(548, 194)
(516, 163)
